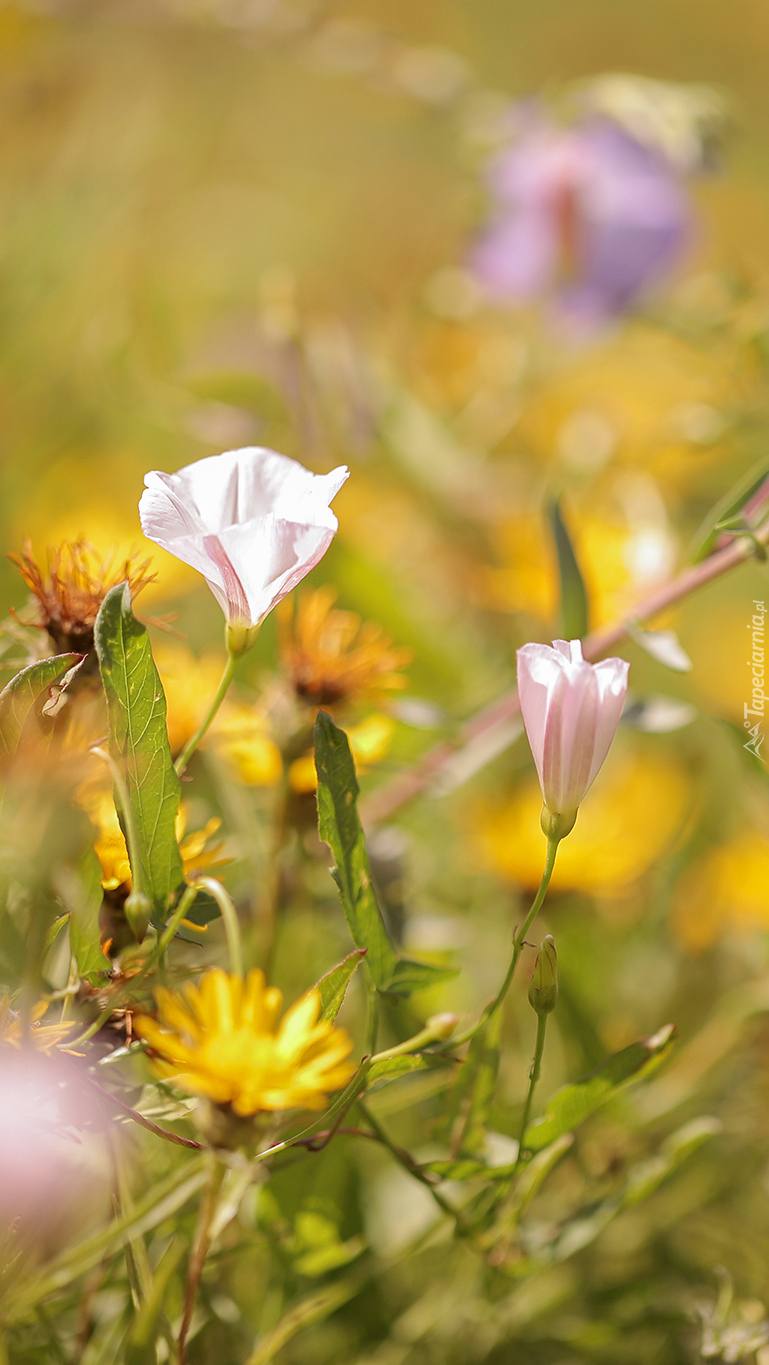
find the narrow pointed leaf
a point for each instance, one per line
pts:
(574, 604)
(339, 825)
(23, 698)
(571, 1105)
(333, 986)
(139, 741)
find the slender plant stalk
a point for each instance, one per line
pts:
(199, 1252)
(193, 742)
(406, 1160)
(518, 942)
(231, 922)
(536, 1067)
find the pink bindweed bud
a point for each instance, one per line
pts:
(571, 711)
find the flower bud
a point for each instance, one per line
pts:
(571, 711)
(543, 991)
(442, 1025)
(138, 909)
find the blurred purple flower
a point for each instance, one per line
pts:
(588, 214)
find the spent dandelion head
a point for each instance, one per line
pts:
(224, 1040)
(72, 586)
(332, 656)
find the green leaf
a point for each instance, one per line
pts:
(571, 1105)
(23, 698)
(391, 1067)
(80, 890)
(733, 501)
(574, 606)
(646, 1176)
(473, 1093)
(339, 826)
(333, 986)
(141, 1342)
(409, 976)
(139, 742)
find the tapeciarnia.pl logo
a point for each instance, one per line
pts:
(753, 710)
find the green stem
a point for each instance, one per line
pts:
(199, 1252)
(518, 943)
(129, 819)
(192, 744)
(536, 1067)
(231, 923)
(372, 1024)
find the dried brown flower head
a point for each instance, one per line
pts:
(70, 593)
(332, 656)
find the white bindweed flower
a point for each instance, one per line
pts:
(571, 710)
(253, 522)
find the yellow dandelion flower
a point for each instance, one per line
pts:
(724, 891)
(71, 590)
(332, 656)
(223, 1039)
(43, 1037)
(626, 822)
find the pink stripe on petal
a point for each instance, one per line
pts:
(237, 602)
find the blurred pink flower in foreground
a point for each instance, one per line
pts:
(571, 710)
(587, 212)
(253, 522)
(55, 1163)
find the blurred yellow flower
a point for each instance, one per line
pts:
(95, 798)
(618, 563)
(626, 822)
(655, 397)
(332, 656)
(64, 507)
(223, 1039)
(44, 1037)
(369, 742)
(238, 731)
(239, 735)
(725, 891)
(189, 682)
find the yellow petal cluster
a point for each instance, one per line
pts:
(224, 1039)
